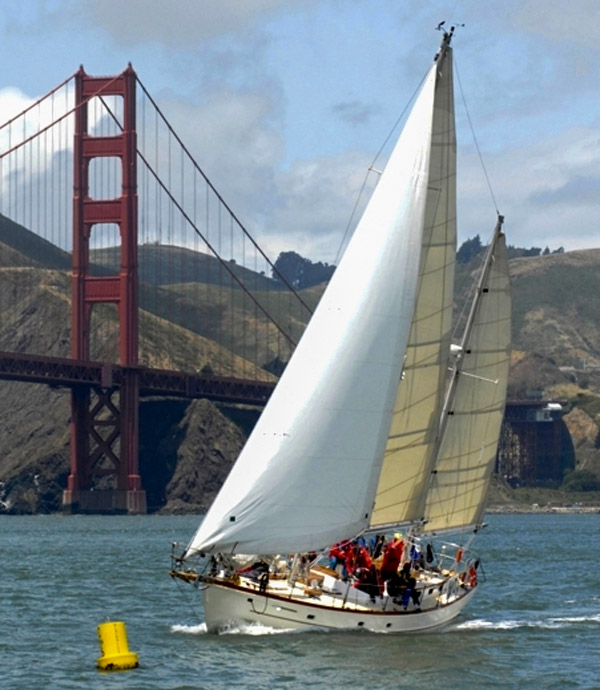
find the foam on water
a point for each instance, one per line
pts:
(190, 629)
(255, 629)
(542, 623)
(239, 628)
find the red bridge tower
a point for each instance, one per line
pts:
(104, 474)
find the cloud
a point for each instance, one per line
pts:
(547, 190)
(316, 203)
(304, 207)
(560, 22)
(12, 102)
(576, 191)
(233, 138)
(261, 90)
(175, 22)
(354, 112)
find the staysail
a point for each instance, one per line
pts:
(308, 473)
(409, 452)
(467, 453)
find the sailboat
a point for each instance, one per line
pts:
(381, 430)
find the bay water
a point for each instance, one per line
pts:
(535, 622)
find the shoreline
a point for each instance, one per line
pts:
(535, 508)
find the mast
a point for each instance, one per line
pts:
(445, 44)
(409, 457)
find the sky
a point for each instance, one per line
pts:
(286, 103)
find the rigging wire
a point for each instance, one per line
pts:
(371, 168)
(187, 595)
(470, 295)
(478, 149)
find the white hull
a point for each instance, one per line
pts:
(226, 604)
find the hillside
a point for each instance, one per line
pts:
(21, 247)
(186, 449)
(556, 314)
(160, 263)
(34, 436)
(556, 339)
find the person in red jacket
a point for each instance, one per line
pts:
(392, 557)
(337, 555)
(357, 558)
(368, 581)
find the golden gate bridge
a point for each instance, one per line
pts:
(168, 293)
(162, 290)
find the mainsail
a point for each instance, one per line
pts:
(308, 474)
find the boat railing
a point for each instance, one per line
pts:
(449, 559)
(433, 565)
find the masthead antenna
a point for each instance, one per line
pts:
(446, 38)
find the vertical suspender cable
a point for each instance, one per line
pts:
(216, 293)
(196, 293)
(182, 278)
(232, 302)
(244, 338)
(206, 330)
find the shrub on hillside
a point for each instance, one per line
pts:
(581, 480)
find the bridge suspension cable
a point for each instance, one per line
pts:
(230, 211)
(35, 194)
(196, 229)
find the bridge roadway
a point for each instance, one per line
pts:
(70, 373)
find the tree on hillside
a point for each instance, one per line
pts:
(581, 480)
(300, 272)
(275, 366)
(519, 252)
(468, 249)
(472, 247)
(289, 266)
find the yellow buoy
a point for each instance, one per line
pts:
(114, 648)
